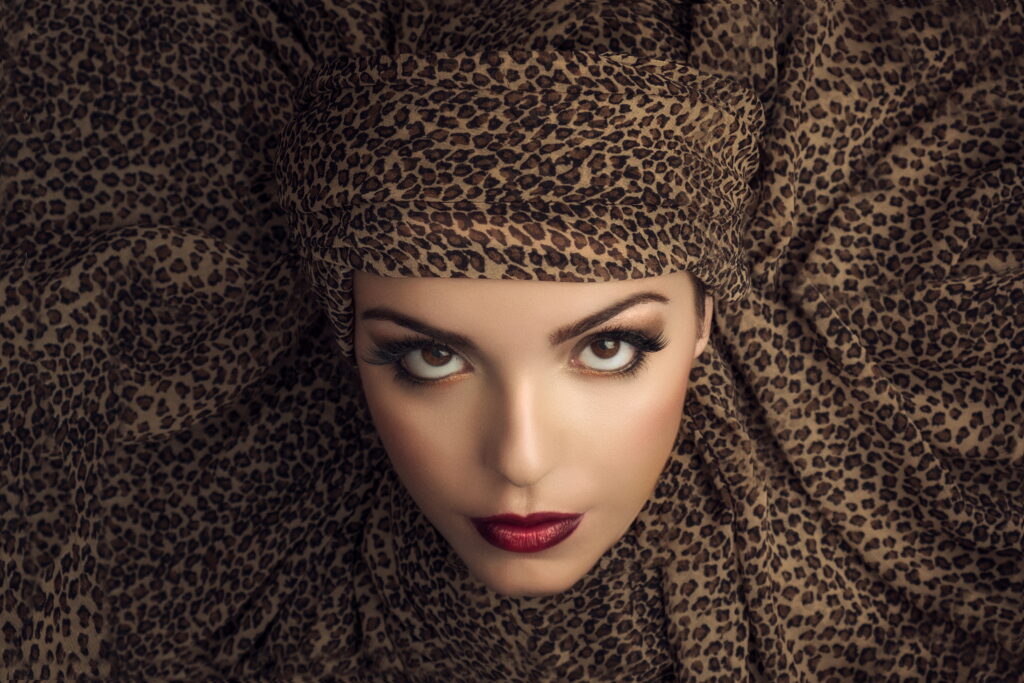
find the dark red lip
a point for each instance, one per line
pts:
(529, 520)
(530, 534)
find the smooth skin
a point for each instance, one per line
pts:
(514, 423)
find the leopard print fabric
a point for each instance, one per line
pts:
(515, 164)
(190, 487)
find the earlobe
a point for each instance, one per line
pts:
(704, 334)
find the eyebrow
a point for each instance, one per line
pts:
(557, 337)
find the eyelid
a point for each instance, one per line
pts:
(414, 342)
(558, 337)
(646, 342)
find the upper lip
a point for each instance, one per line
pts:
(529, 520)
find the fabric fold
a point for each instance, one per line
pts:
(843, 500)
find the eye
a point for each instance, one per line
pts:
(429, 363)
(608, 354)
(616, 352)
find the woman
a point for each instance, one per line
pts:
(552, 210)
(538, 411)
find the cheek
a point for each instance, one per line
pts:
(657, 408)
(422, 447)
(668, 393)
(638, 437)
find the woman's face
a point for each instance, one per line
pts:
(517, 397)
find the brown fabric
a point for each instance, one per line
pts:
(515, 164)
(191, 489)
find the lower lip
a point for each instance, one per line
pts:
(527, 539)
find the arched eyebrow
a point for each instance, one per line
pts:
(559, 336)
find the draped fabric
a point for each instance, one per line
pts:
(191, 487)
(564, 165)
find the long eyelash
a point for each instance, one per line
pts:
(405, 377)
(643, 342)
(391, 353)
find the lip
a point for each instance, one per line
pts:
(530, 534)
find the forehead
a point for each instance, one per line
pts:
(467, 294)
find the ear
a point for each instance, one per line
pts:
(704, 334)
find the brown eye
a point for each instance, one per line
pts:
(435, 356)
(605, 348)
(432, 362)
(608, 354)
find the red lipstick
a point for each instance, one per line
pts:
(529, 534)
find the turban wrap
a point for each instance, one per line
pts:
(547, 165)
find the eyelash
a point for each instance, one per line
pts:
(392, 353)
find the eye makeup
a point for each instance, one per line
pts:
(392, 352)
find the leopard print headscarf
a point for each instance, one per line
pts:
(516, 164)
(545, 165)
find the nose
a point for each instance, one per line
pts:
(520, 446)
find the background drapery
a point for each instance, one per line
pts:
(183, 487)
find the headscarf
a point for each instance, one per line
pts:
(547, 165)
(555, 165)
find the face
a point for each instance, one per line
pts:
(495, 397)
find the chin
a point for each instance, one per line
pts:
(512, 583)
(521, 591)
